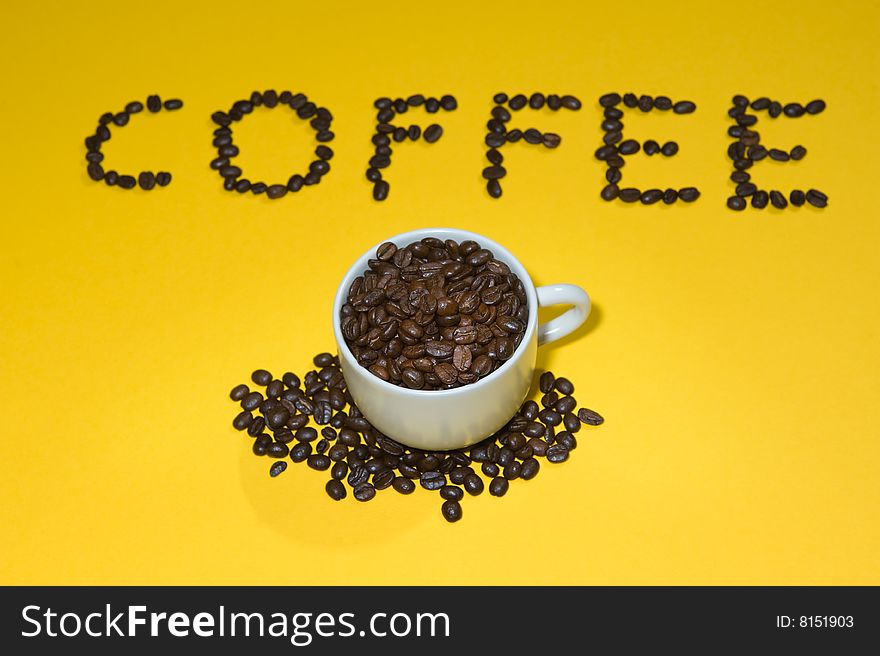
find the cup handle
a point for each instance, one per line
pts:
(568, 321)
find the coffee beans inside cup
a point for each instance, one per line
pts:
(434, 315)
(361, 459)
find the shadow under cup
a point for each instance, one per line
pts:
(440, 420)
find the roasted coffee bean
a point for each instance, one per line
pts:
(816, 198)
(380, 190)
(778, 155)
(238, 392)
(570, 102)
(433, 132)
(494, 172)
(127, 181)
(403, 485)
(498, 486)
(778, 200)
(432, 480)
(746, 189)
(300, 451)
(277, 450)
(242, 420)
(609, 99)
(629, 194)
(276, 191)
(336, 490)
(451, 493)
(737, 203)
(551, 140)
(154, 103)
(494, 188)
(276, 468)
(529, 469)
(629, 147)
(815, 106)
(512, 470)
(760, 199)
(775, 109)
(798, 152)
(651, 196)
(451, 511)
(651, 147)
(670, 196)
(669, 148)
(689, 194)
(590, 417)
(134, 107)
(793, 110)
(663, 103)
(532, 136)
(251, 401)
(609, 192)
(797, 198)
(683, 107)
(557, 453)
(740, 176)
(490, 469)
(261, 377)
(95, 171)
(173, 103)
(383, 479)
(645, 103)
(612, 175)
(318, 461)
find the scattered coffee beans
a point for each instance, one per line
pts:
(434, 314)
(145, 179)
(369, 461)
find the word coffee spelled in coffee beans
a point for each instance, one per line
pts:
(386, 132)
(746, 149)
(498, 135)
(434, 314)
(95, 167)
(616, 148)
(369, 462)
(319, 118)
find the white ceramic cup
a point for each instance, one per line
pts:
(439, 420)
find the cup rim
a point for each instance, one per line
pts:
(360, 265)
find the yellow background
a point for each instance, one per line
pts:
(735, 355)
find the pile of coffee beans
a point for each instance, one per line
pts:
(319, 118)
(616, 148)
(746, 149)
(147, 180)
(434, 314)
(498, 135)
(364, 460)
(386, 132)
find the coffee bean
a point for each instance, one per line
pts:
(95, 171)
(629, 194)
(797, 198)
(498, 486)
(760, 199)
(557, 453)
(432, 480)
(629, 147)
(238, 392)
(609, 99)
(793, 110)
(173, 103)
(737, 203)
(816, 198)
(689, 194)
(318, 461)
(451, 493)
(670, 196)
(778, 200)
(276, 468)
(740, 176)
(154, 103)
(570, 102)
(590, 417)
(242, 185)
(276, 191)
(134, 107)
(669, 148)
(336, 490)
(798, 152)
(163, 178)
(277, 450)
(242, 420)
(663, 103)
(380, 190)
(683, 107)
(433, 132)
(651, 196)
(127, 181)
(432, 105)
(645, 103)
(778, 155)
(746, 189)
(530, 468)
(815, 106)
(775, 109)
(451, 511)
(517, 102)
